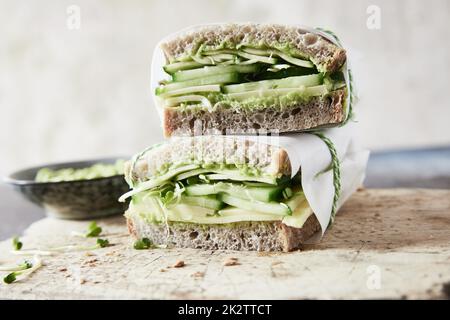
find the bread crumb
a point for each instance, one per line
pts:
(83, 281)
(162, 270)
(89, 254)
(91, 261)
(198, 274)
(179, 264)
(62, 269)
(231, 262)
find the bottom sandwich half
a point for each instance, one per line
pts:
(217, 192)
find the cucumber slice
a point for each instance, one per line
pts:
(187, 90)
(291, 82)
(232, 77)
(177, 66)
(295, 61)
(263, 59)
(264, 194)
(259, 52)
(210, 71)
(240, 177)
(192, 173)
(150, 184)
(210, 202)
(309, 91)
(175, 101)
(282, 55)
(266, 207)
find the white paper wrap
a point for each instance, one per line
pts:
(311, 154)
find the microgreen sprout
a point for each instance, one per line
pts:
(17, 245)
(100, 243)
(23, 270)
(93, 231)
(142, 244)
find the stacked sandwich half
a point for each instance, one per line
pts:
(227, 96)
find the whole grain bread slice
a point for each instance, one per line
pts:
(308, 43)
(245, 236)
(319, 111)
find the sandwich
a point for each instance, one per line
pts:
(218, 192)
(221, 79)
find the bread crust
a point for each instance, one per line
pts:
(309, 43)
(242, 236)
(319, 111)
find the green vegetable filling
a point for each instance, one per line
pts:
(199, 196)
(244, 77)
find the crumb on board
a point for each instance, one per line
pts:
(179, 264)
(162, 270)
(89, 254)
(83, 281)
(62, 269)
(198, 274)
(231, 262)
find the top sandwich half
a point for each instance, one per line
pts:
(245, 77)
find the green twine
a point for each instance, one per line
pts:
(352, 95)
(335, 165)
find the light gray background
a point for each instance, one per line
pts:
(73, 94)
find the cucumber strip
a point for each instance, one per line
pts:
(239, 177)
(150, 184)
(264, 194)
(263, 59)
(231, 77)
(296, 61)
(175, 101)
(204, 60)
(309, 91)
(217, 52)
(266, 207)
(192, 173)
(259, 52)
(248, 62)
(282, 55)
(291, 82)
(205, 88)
(210, 202)
(215, 70)
(177, 66)
(223, 57)
(295, 200)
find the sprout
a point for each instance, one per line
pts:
(24, 265)
(93, 231)
(26, 268)
(17, 245)
(142, 244)
(100, 243)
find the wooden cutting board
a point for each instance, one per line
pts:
(392, 243)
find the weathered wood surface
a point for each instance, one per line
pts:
(402, 236)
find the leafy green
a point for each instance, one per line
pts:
(17, 245)
(10, 278)
(93, 230)
(142, 244)
(102, 243)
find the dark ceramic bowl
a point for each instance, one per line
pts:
(79, 199)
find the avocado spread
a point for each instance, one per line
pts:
(98, 170)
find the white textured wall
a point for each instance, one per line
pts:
(78, 94)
